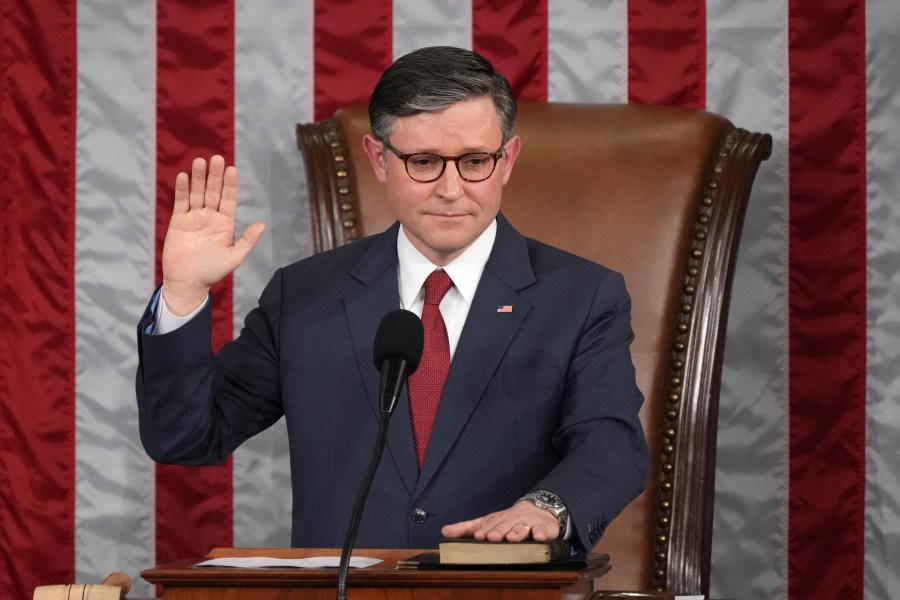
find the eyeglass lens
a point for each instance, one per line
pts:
(476, 166)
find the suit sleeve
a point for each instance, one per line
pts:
(605, 461)
(194, 406)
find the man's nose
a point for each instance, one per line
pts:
(449, 184)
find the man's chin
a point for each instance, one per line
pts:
(443, 249)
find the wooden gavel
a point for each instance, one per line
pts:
(114, 587)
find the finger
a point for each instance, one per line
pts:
(198, 183)
(542, 533)
(461, 529)
(247, 243)
(505, 530)
(519, 532)
(492, 527)
(182, 183)
(544, 526)
(228, 202)
(214, 182)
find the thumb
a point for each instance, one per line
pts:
(247, 242)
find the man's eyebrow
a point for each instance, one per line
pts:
(479, 149)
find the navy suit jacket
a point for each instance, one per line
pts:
(543, 397)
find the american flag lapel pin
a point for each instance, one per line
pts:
(506, 308)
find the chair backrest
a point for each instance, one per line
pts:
(656, 193)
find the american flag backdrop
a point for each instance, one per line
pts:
(102, 102)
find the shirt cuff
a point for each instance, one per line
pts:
(166, 322)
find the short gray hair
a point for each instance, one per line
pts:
(435, 78)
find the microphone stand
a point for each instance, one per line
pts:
(361, 500)
(397, 351)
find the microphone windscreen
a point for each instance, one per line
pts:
(400, 335)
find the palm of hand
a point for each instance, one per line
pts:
(199, 247)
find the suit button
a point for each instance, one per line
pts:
(418, 515)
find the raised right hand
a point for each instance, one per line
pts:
(200, 249)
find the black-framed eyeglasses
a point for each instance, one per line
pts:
(426, 167)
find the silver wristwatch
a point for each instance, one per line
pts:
(552, 503)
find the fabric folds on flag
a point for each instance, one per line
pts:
(101, 104)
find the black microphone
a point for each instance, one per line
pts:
(397, 353)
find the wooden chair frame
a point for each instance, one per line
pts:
(683, 435)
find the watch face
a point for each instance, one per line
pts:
(549, 498)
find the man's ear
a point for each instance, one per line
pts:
(512, 148)
(375, 151)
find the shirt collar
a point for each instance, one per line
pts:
(465, 270)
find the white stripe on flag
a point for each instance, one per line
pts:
(882, 523)
(417, 24)
(747, 82)
(115, 208)
(273, 92)
(588, 51)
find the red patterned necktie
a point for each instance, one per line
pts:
(427, 384)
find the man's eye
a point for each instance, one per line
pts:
(478, 160)
(423, 161)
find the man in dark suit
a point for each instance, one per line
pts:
(536, 432)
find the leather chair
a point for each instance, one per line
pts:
(656, 193)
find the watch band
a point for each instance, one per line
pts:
(547, 500)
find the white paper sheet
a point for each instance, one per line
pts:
(266, 562)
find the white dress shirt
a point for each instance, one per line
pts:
(465, 272)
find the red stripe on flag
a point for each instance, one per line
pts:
(667, 52)
(513, 36)
(827, 299)
(353, 45)
(37, 295)
(195, 117)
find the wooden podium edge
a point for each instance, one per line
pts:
(385, 574)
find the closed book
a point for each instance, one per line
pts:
(468, 551)
(431, 561)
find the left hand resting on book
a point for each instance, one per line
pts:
(522, 521)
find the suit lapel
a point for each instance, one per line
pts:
(377, 271)
(484, 340)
